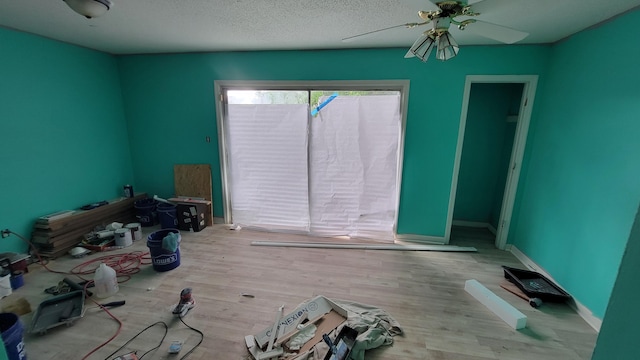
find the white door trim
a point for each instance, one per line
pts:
(220, 86)
(524, 118)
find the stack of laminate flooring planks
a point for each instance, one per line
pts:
(54, 236)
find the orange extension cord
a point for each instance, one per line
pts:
(124, 265)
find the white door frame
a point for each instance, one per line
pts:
(220, 87)
(530, 83)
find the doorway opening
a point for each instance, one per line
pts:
(493, 128)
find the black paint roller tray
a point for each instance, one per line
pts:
(535, 285)
(58, 310)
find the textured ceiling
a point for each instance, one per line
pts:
(170, 26)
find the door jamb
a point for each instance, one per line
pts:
(530, 83)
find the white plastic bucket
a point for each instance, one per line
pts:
(123, 237)
(136, 231)
(5, 285)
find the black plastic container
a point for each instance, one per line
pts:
(535, 285)
(344, 342)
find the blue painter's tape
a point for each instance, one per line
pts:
(315, 111)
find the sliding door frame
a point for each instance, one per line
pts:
(222, 86)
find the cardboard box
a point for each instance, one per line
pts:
(319, 309)
(191, 217)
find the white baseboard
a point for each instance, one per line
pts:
(475, 224)
(421, 239)
(582, 310)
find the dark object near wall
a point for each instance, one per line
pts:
(535, 285)
(192, 217)
(94, 205)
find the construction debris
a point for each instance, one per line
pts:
(55, 234)
(321, 326)
(501, 308)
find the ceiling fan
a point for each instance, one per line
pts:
(90, 8)
(441, 14)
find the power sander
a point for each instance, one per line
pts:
(187, 302)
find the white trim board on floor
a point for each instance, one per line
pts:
(444, 248)
(584, 312)
(496, 304)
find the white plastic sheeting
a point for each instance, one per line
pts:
(267, 147)
(336, 177)
(354, 166)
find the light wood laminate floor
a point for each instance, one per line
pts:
(423, 291)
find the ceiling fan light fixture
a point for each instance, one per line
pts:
(447, 13)
(422, 47)
(89, 8)
(447, 47)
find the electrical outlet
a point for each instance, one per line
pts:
(6, 233)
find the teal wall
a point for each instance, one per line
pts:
(488, 139)
(64, 137)
(170, 109)
(66, 142)
(579, 190)
(619, 333)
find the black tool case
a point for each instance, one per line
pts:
(535, 285)
(58, 310)
(344, 342)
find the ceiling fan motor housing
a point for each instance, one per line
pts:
(451, 8)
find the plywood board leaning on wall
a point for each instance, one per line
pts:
(194, 180)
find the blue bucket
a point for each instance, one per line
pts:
(12, 332)
(16, 280)
(146, 212)
(163, 259)
(167, 214)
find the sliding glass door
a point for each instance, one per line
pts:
(267, 147)
(353, 165)
(313, 161)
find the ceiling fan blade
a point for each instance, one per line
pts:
(484, 6)
(496, 32)
(431, 5)
(407, 25)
